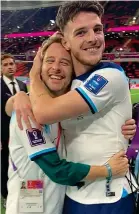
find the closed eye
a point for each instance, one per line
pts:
(80, 33)
(98, 30)
(50, 61)
(65, 63)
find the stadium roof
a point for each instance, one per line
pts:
(22, 5)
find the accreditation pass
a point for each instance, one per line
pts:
(31, 196)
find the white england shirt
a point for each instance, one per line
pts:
(95, 137)
(23, 146)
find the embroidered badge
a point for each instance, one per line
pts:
(35, 137)
(96, 84)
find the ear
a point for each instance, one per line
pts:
(65, 44)
(104, 45)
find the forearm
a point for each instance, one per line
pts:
(37, 91)
(39, 95)
(96, 172)
(9, 106)
(49, 110)
(62, 171)
(68, 173)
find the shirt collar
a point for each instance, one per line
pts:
(100, 65)
(8, 81)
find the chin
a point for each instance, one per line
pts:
(95, 60)
(55, 89)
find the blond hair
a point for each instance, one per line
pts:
(46, 44)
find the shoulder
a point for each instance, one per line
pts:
(109, 65)
(20, 82)
(108, 70)
(22, 85)
(1, 81)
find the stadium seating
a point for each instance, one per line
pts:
(38, 19)
(119, 45)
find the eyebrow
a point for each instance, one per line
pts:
(83, 28)
(48, 57)
(63, 58)
(6, 63)
(99, 25)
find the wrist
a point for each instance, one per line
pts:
(97, 172)
(103, 171)
(109, 171)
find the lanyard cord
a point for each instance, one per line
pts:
(59, 135)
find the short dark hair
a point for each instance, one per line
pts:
(69, 10)
(6, 56)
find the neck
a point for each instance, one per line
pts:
(79, 68)
(59, 93)
(56, 93)
(10, 78)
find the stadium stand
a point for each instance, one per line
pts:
(119, 14)
(119, 45)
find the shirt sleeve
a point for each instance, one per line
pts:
(43, 152)
(62, 171)
(105, 87)
(36, 142)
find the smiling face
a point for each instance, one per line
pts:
(8, 67)
(57, 69)
(84, 37)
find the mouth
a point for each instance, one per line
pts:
(56, 77)
(11, 71)
(92, 49)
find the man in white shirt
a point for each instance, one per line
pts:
(25, 146)
(98, 105)
(9, 87)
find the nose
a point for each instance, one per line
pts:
(10, 66)
(56, 67)
(91, 37)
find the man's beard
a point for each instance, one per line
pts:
(52, 93)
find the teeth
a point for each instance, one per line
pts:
(92, 49)
(56, 77)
